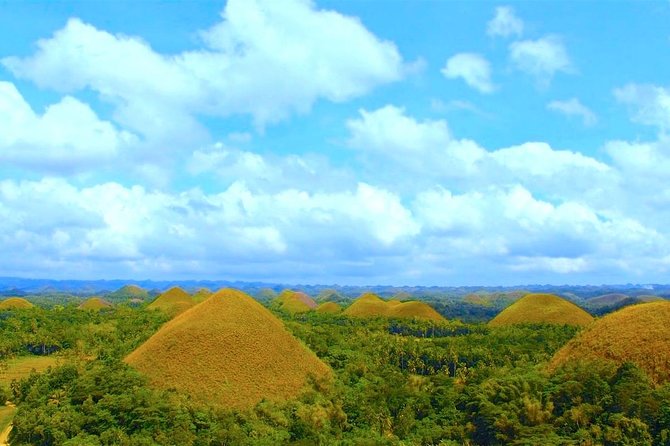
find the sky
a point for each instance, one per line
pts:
(336, 142)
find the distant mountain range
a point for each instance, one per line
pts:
(15, 286)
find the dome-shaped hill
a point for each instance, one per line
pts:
(367, 305)
(637, 334)
(295, 301)
(329, 307)
(129, 292)
(95, 304)
(201, 294)
(14, 303)
(230, 351)
(401, 296)
(415, 310)
(371, 305)
(607, 299)
(173, 302)
(542, 308)
(328, 295)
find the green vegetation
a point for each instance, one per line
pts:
(389, 381)
(542, 309)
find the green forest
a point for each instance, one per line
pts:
(395, 382)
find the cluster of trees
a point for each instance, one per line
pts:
(396, 383)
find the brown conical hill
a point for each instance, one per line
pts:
(228, 351)
(129, 292)
(201, 294)
(367, 305)
(15, 303)
(638, 334)
(95, 304)
(415, 310)
(173, 302)
(329, 307)
(542, 308)
(295, 301)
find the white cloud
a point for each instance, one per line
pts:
(540, 58)
(650, 104)
(68, 136)
(573, 107)
(473, 68)
(313, 54)
(505, 23)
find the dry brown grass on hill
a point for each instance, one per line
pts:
(329, 307)
(15, 303)
(201, 294)
(228, 351)
(173, 302)
(94, 303)
(542, 308)
(371, 305)
(638, 334)
(295, 302)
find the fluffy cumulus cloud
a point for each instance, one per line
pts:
(573, 107)
(541, 58)
(505, 23)
(66, 137)
(158, 94)
(473, 68)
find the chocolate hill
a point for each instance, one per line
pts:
(228, 351)
(94, 303)
(329, 307)
(295, 302)
(15, 303)
(173, 302)
(542, 309)
(371, 305)
(638, 334)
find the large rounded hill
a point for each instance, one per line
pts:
(371, 305)
(94, 304)
(638, 334)
(295, 302)
(228, 351)
(14, 303)
(173, 302)
(542, 309)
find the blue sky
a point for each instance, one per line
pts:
(351, 142)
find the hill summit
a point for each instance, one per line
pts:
(173, 302)
(371, 305)
(228, 351)
(295, 301)
(638, 334)
(542, 309)
(94, 303)
(14, 303)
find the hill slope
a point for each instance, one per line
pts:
(129, 292)
(94, 303)
(228, 351)
(173, 302)
(542, 308)
(371, 305)
(638, 334)
(14, 303)
(295, 302)
(329, 307)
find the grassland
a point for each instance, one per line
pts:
(227, 351)
(295, 302)
(94, 304)
(20, 367)
(542, 308)
(14, 303)
(173, 302)
(371, 305)
(329, 307)
(638, 334)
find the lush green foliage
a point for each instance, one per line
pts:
(397, 382)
